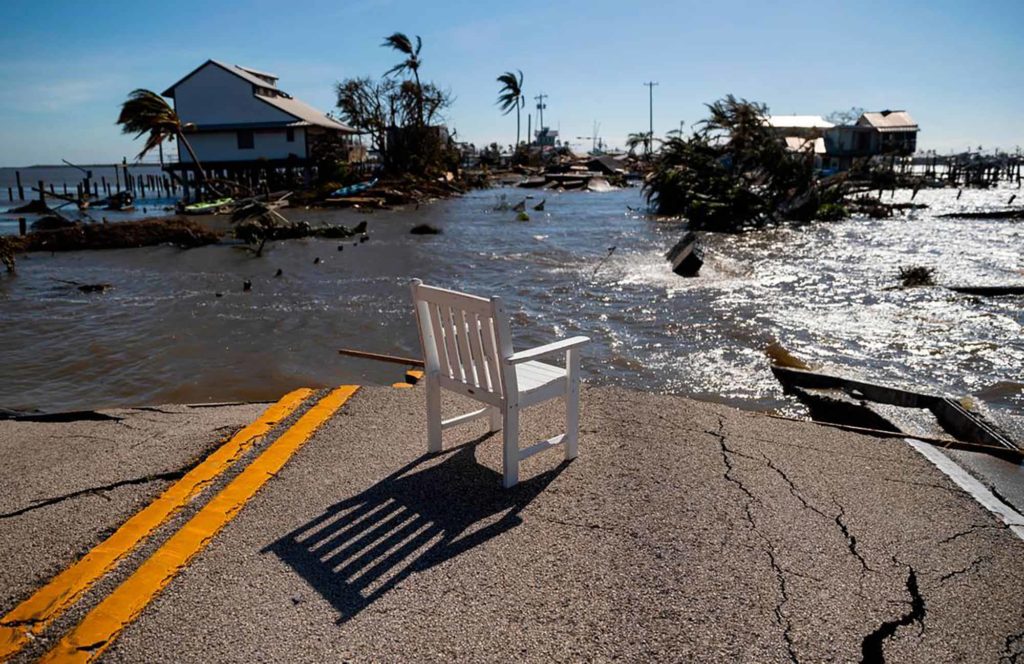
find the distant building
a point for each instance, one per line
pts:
(240, 115)
(883, 133)
(805, 126)
(802, 133)
(546, 137)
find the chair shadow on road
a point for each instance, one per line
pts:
(416, 518)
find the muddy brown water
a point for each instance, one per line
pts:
(163, 334)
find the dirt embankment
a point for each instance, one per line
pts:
(122, 235)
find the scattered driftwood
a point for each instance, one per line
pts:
(989, 291)
(123, 235)
(686, 256)
(87, 288)
(425, 229)
(32, 207)
(1017, 213)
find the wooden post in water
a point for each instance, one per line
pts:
(42, 192)
(10, 194)
(21, 190)
(65, 188)
(22, 226)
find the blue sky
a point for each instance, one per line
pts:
(958, 67)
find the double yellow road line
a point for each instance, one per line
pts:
(97, 631)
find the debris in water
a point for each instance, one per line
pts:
(425, 229)
(539, 207)
(316, 261)
(246, 286)
(781, 357)
(279, 272)
(522, 216)
(686, 256)
(917, 275)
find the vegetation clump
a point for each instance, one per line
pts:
(734, 173)
(917, 275)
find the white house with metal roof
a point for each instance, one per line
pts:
(240, 115)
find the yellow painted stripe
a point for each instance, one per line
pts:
(34, 614)
(103, 623)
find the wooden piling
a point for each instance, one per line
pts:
(22, 226)
(21, 190)
(10, 194)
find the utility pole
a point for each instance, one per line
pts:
(650, 137)
(540, 107)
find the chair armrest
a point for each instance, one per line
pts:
(547, 349)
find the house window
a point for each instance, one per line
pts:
(245, 139)
(289, 135)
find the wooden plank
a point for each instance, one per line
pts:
(380, 357)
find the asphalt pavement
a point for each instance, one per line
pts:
(685, 531)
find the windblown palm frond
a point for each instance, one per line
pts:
(511, 95)
(401, 43)
(147, 112)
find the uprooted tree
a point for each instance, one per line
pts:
(734, 173)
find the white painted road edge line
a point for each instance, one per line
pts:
(1011, 517)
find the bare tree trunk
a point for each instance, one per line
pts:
(195, 160)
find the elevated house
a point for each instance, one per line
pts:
(802, 133)
(243, 120)
(883, 133)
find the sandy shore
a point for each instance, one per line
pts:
(685, 531)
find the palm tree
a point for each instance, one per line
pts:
(401, 43)
(511, 96)
(147, 112)
(640, 138)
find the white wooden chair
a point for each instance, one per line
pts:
(467, 349)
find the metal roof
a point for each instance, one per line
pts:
(258, 73)
(887, 121)
(304, 112)
(798, 121)
(801, 144)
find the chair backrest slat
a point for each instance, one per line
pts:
(491, 353)
(476, 349)
(461, 337)
(454, 360)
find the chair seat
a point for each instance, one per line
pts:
(539, 381)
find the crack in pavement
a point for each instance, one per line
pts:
(970, 568)
(1013, 648)
(96, 490)
(975, 528)
(873, 645)
(851, 540)
(769, 549)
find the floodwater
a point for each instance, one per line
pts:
(177, 326)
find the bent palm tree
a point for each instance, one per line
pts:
(511, 96)
(401, 43)
(147, 112)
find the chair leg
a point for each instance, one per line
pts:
(572, 404)
(433, 415)
(510, 441)
(493, 419)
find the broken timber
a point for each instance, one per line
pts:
(846, 401)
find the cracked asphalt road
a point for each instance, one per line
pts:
(685, 531)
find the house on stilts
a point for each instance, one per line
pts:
(244, 127)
